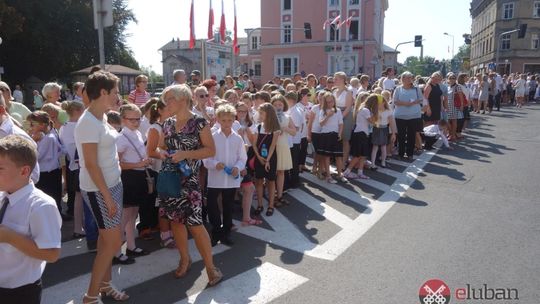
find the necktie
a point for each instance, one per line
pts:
(3, 210)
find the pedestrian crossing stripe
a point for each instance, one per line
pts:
(255, 286)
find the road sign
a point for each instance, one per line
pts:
(104, 9)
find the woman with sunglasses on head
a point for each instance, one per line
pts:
(200, 107)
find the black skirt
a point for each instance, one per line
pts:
(135, 188)
(330, 145)
(380, 136)
(316, 140)
(360, 145)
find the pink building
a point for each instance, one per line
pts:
(354, 48)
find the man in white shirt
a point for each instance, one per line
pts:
(388, 82)
(18, 94)
(298, 116)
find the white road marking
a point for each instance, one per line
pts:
(146, 268)
(259, 285)
(321, 208)
(355, 196)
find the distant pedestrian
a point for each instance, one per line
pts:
(18, 94)
(140, 96)
(38, 100)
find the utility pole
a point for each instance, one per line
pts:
(103, 17)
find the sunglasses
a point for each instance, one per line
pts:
(204, 96)
(133, 119)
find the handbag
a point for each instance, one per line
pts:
(251, 161)
(169, 183)
(458, 98)
(149, 179)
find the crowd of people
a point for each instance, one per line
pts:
(177, 164)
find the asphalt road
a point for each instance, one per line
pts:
(470, 216)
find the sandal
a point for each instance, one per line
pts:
(278, 203)
(136, 252)
(259, 210)
(362, 176)
(109, 290)
(251, 222)
(269, 211)
(168, 243)
(91, 300)
(215, 276)
(181, 270)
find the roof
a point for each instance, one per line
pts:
(113, 68)
(387, 49)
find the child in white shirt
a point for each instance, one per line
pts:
(224, 174)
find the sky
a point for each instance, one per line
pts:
(161, 20)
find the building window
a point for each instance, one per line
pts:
(536, 9)
(286, 33)
(286, 66)
(354, 30)
(255, 42)
(505, 42)
(333, 2)
(354, 2)
(257, 68)
(287, 5)
(508, 11)
(334, 32)
(535, 42)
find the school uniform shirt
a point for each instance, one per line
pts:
(89, 129)
(9, 128)
(144, 126)
(332, 123)
(217, 126)
(129, 153)
(434, 131)
(316, 125)
(298, 116)
(362, 123)
(34, 214)
(67, 137)
(383, 119)
(49, 151)
(231, 153)
(156, 163)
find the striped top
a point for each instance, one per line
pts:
(138, 98)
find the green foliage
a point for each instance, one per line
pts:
(153, 77)
(52, 38)
(424, 67)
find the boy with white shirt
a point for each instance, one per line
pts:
(30, 224)
(224, 174)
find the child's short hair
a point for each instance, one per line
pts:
(98, 81)
(39, 117)
(130, 107)
(291, 96)
(113, 117)
(225, 109)
(49, 107)
(19, 150)
(71, 106)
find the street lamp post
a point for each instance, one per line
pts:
(452, 43)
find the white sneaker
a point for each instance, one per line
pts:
(351, 175)
(331, 180)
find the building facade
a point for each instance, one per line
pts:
(491, 18)
(282, 49)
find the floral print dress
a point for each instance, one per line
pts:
(186, 209)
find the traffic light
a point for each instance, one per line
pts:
(307, 30)
(522, 30)
(418, 41)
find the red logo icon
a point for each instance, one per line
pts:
(434, 292)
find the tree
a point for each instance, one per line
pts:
(461, 59)
(51, 38)
(424, 67)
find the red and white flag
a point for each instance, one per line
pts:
(346, 21)
(211, 22)
(222, 24)
(236, 47)
(191, 27)
(325, 24)
(336, 20)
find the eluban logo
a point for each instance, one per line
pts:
(434, 292)
(486, 293)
